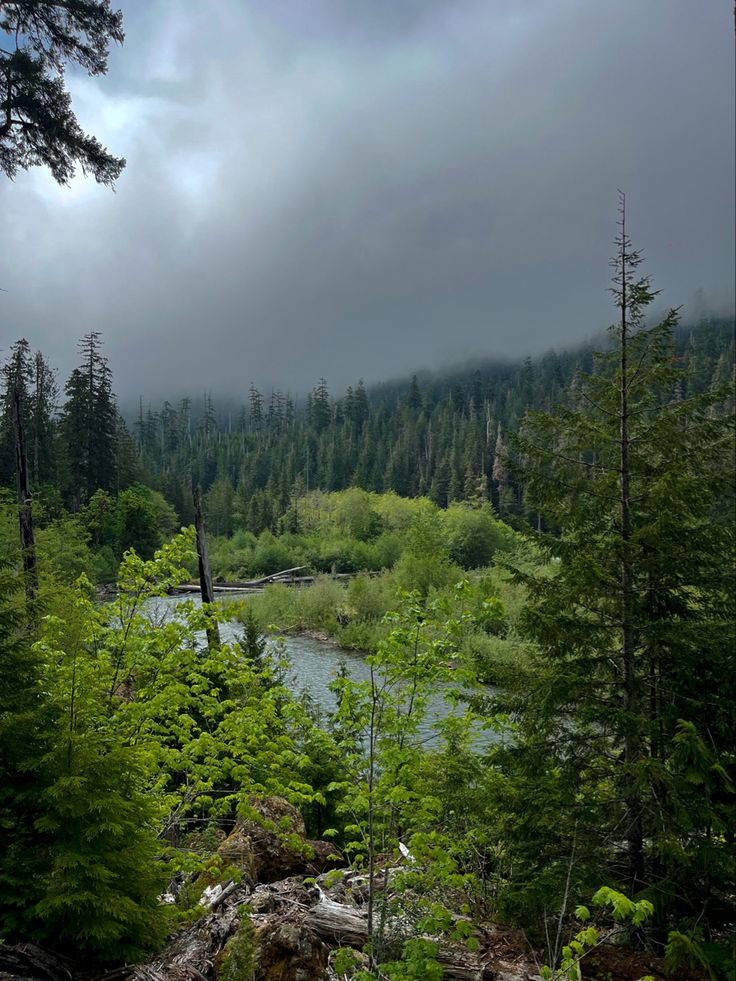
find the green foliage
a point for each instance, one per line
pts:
(425, 562)
(90, 425)
(32, 378)
(474, 535)
(686, 950)
(116, 737)
(418, 962)
(436, 439)
(623, 910)
(136, 523)
(140, 729)
(379, 729)
(41, 127)
(624, 717)
(25, 715)
(63, 550)
(238, 960)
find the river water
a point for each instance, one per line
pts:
(313, 664)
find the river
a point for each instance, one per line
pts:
(314, 663)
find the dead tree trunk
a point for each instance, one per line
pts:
(25, 511)
(205, 574)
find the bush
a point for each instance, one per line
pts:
(136, 523)
(369, 599)
(270, 555)
(473, 535)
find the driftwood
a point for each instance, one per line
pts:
(274, 577)
(338, 924)
(35, 963)
(284, 578)
(219, 900)
(237, 586)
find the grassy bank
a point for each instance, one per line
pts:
(352, 614)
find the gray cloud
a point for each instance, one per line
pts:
(345, 189)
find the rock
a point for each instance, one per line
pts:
(288, 952)
(272, 844)
(237, 850)
(279, 811)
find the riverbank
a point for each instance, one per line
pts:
(351, 616)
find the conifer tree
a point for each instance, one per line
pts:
(37, 125)
(33, 379)
(90, 424)
(320, 410)
(24, 719)
(17, 377)
(42, 429)
(628, 707)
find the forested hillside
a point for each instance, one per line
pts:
(441, 436)
(607, 627)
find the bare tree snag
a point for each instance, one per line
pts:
(25, 509)
(205, 573)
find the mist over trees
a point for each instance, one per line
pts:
(443, 437)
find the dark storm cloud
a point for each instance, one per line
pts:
(345, 189)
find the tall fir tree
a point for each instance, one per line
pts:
(627, 715)
(90, 425)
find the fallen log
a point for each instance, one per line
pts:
(34, 963)
(275, 575)
(187, 587)
(339, 924)
(285, 575)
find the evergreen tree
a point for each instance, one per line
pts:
(320, 410)
(256, 409)
(37, 125)
(42, 429)
(628, 709)
(17, 376)
(24, 719)
(34, 379)
(90, 425)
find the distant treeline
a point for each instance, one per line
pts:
(442, 435)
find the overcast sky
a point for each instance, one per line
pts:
(367, 187)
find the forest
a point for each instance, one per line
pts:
(425, 679)
(476, 519)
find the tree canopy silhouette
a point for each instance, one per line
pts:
(38, 39)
